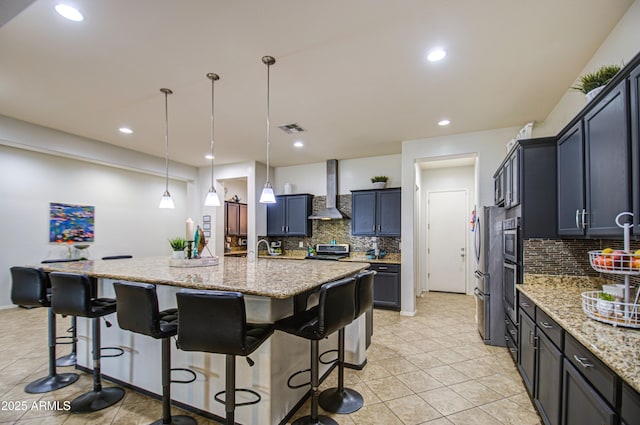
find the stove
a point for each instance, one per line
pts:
(331, 252)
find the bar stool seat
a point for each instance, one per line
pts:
(72, 295)
(30, 287)
(340, 399)
(138, 312)
(216, 322)
(335, 310)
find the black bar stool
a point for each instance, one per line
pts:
(335, 310)
(71, 358)
(30, 287)
(138, 312)
(340, 399)
(216, 322)
(72, 295)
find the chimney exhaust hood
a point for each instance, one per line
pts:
(330, 212)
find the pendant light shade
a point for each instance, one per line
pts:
(212, 199)
(267, 196)
(166, 201)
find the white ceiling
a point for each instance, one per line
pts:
(351, 72)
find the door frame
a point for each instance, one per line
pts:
(428, 241)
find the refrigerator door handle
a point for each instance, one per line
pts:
(478, 294)
(478, 239)
(478, 274)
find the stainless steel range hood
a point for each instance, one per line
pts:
(330, 212)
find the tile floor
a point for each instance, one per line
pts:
(428, 369)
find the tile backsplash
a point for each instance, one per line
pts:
(324, 231)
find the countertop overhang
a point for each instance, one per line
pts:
(262, 277)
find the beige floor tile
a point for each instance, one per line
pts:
(375, 414)
(388, 388)
(475, 392)
(413, 410)
(398, 366)
(373, 370)
(473, 369)
(439, 421)
(448, 356)
(446, 401)
(502, 384)
(447, 375)
(510, 413)
(475, 416)
(522, 400)
(425, 360)
(419, 381)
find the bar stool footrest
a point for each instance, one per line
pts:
(246, 403)
(51, 383)
(293, 387)
(184, 381)
(119, 352)
(335, 401)
(97, 400)
(327, 352)
(64, 340)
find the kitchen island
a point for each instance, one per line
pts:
(272, 289)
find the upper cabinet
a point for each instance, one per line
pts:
(529, 180)
(289, 215)
(594, 169)
(634, 101)
(235, 219)
(376, 212)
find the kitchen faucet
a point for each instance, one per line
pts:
(266, 243)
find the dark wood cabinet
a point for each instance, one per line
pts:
(548, 397)
(386, 286)
(634, 102)
(235, 219)
(289, 215)
(581, 404)
(527, 346)
(376, 212)
(630, 405)
(594, 169)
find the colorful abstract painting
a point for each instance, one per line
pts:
(71, 223)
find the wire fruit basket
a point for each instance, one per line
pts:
(617, 308)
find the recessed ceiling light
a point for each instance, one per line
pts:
(125, 130)
(69, 12)
(209, 156)
(298, 144)
(444, 123)
(436, 55)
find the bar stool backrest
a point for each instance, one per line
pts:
(364, 292)
(212, 321)
(71, 294)
(138, 308)
(336, 305)
(29, 286)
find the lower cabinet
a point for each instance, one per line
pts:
(386, 286)
(548, 397)
(528, 339)
(582, 405)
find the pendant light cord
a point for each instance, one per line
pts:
(166, 138)
(213, 78)
(268, 121)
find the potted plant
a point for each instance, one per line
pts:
(592, 83)
(379, 182)
(178, 245)
(605, 304)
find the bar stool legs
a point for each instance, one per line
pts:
(71, 358)
(99, 398)
(341, 399)
(54, 380)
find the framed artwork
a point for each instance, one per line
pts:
(71, 223)
(206, 226)
(206, 219)
(207, 234)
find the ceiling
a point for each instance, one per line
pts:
(350, 72)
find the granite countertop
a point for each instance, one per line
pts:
(362, 257)
(262, 277)
(560, 298)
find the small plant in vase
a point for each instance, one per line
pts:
(592, 83)
(605, 304)
(379, 182)
(178, 246)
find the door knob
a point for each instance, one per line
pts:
(462, 252)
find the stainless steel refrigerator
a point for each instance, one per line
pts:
(488, 275)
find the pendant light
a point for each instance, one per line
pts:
(267, 196)
(166, 201)
(212, 199)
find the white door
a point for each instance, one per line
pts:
(446, 237)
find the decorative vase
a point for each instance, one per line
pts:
(593, 93)
(379, 185)
(605, 308)
(178, 255)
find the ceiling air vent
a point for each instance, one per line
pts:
(291, 128)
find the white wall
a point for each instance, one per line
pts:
(127, 217)
(488, 146)
(441, 179)
(620, 46)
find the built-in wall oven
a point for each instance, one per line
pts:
(511, 266)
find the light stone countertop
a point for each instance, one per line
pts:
(362, 257)
(263, 277)
(560, 298)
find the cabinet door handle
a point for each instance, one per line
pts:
(379, 227)
(513, 350)
(512, 332)
(383, 268)
(373, 228)
(525, 305)
(545, 325)
(577, 219)
(584, 222)
(583, 361)
(533, 339)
